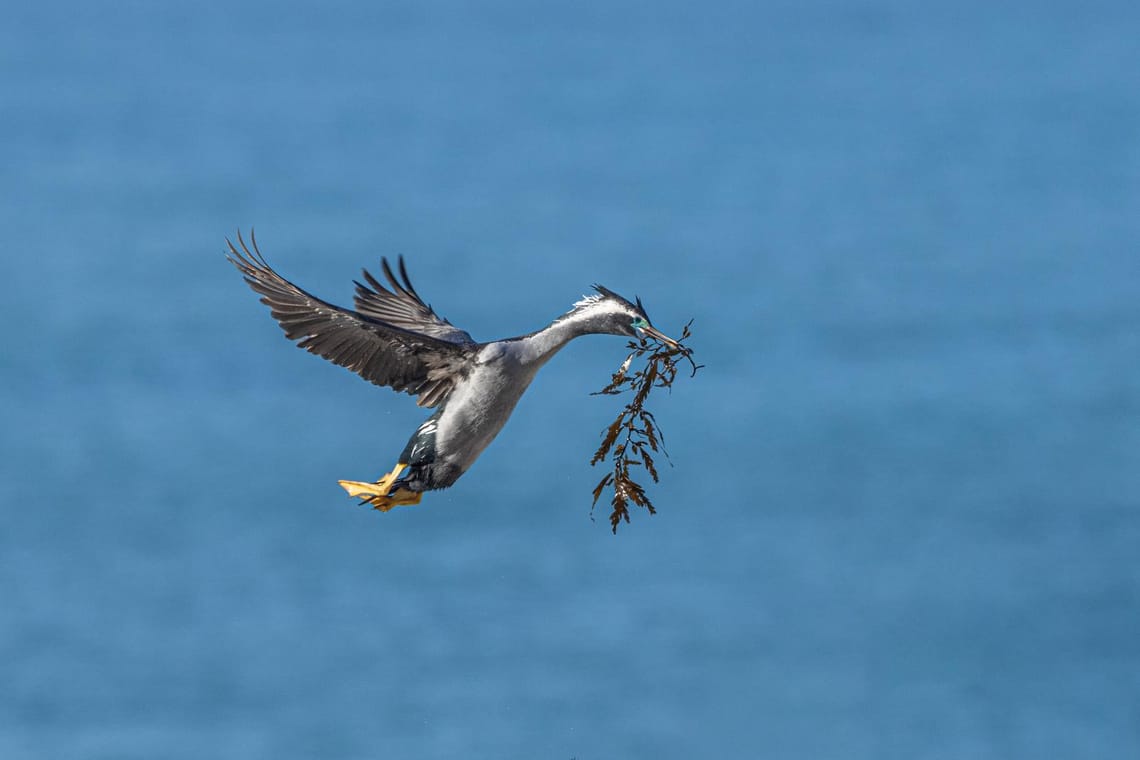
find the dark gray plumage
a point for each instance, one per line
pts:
(413, 351)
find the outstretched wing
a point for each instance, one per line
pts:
(382, 353)
(402, 306)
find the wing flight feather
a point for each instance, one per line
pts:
(402, 306)
(400, 354)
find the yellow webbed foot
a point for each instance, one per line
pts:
(401, 498)
(376, 494)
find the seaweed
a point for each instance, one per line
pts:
(634, 439)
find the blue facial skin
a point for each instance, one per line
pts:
(640, 324)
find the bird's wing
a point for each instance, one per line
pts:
(402, 306)
(381, 353)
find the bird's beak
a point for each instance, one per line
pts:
(653, 332)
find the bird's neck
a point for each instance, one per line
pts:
(538, 347)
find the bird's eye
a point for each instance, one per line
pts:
(640, 324)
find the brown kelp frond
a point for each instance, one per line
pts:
(630, 439)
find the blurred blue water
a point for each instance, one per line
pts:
(905, 507)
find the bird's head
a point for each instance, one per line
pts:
(607, 312)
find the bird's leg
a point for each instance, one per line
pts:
(377, 494)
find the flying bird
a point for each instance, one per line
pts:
(393, 338)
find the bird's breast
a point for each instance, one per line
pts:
(479, 406)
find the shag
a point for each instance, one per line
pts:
(394, 338)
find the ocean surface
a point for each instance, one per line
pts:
(903, 516)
